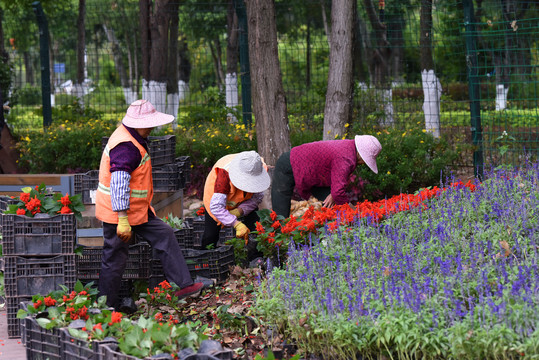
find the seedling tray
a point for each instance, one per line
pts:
(42, 344)
(86, 185)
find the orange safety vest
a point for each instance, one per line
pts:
(233, 198)
(141, 184)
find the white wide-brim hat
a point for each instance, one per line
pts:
(368, 148)
(246, 172)
(141, 114)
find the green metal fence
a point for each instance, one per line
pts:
(464, 69)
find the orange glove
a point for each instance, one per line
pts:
(123, 230)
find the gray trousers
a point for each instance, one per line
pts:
(115, 252)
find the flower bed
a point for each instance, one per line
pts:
(454, 277)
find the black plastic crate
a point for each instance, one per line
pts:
(212, 264)
(185, 237)
(86, 185)
(225, 234)
(31, 276)
(137, 267)
(162, 149)
(5, 201)
(184, 162)
(167, 178)
(23, 235)
(77, 349)
(15, 327)
(42, 344)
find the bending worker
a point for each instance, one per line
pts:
(321, 169)
(234, 189)
(123, 203)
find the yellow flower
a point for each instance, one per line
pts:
(424, 130)
(421, 141)
(378, 133)
(194, 140)
(389, 172)
(346, 125)
(336, 136)
(27, 138)
(404, 134)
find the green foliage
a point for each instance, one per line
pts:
(28, 95)
(71, 144)
(410, 159)
(174, 221)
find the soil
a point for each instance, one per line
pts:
(226, 310)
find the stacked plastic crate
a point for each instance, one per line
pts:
(208, 263)
(39, 257)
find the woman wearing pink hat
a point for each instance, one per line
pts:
(123, 203)
(321, 169)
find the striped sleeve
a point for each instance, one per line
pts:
(119, 190)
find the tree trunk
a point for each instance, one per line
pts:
(173, 101)
(380, 55)
(159, 34)
(129, 95)
(81, 46)
(325, 21)
(184, 68)
(358, 47)
(144, 19)
(340, 81)
(269, 100)
(215, 47)
(395, 29)
(232, 57)
(29, 67)
(432, 89)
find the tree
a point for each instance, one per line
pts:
(340, 79)
(269, 100)
(232, 57)
(81, 52)
(432, 89)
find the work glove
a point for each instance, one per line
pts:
(236, 212)
(242, 231)
(123, 230)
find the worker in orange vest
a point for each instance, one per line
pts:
(233, 190)
(123, 203)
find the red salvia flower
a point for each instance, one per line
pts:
(25, 197)
(21, 212)
(65, 200)
(49, 301)
(65, 210)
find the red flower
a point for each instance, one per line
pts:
(158, 316)
(33, 204)
(65, 200)
(200, 211)
(259, 228)
(115, 317)
(25, 197)
(21, 212)
(276, 225)
(165, 285)
(273, 215)
(98, 326)
(38, 304)
(49, 301)
(65, 210)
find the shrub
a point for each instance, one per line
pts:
(67, 145)
(28, 95)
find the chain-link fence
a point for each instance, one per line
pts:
(464, 69)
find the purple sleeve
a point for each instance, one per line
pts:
(124, 157)
(249, 205)
(340, 175)
(218, 209)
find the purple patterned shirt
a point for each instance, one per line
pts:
(322, 164)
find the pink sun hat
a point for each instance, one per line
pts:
(142, 115)
(368, 148)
